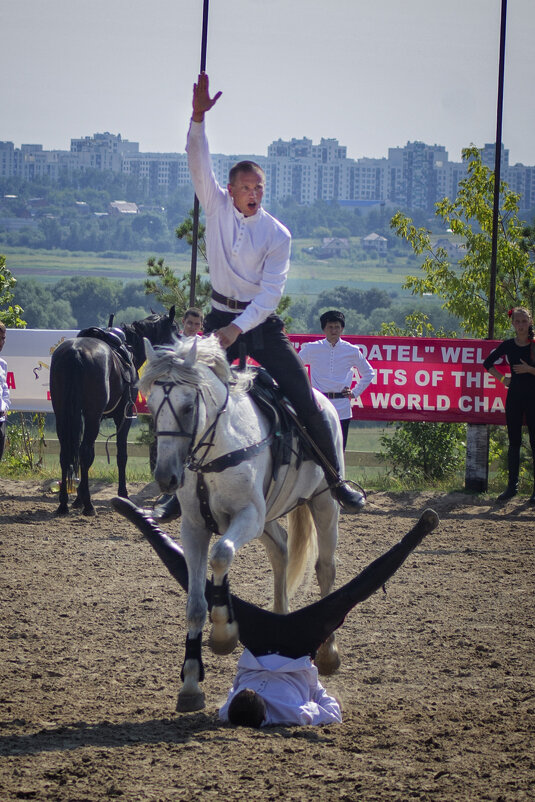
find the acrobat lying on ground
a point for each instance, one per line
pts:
(276, 681)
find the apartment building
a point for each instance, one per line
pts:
(415, 176)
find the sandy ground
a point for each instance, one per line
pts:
(437, 679)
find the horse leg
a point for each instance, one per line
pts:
(247, 524)
(275, 539)
(325, 512)
(123, 427)
(191, 697)
(63, 508)
(87, 456)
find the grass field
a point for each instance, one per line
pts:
(308, 276)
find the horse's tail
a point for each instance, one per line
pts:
(69, 419)
(302, 547)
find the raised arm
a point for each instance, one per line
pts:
(202, 102)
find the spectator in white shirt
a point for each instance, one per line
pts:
(276, 682)
(331, 363)
(4, 392)
(249, 256)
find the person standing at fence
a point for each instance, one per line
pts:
(331, 362)
(249, 256)
(4, 392)
(520, 401)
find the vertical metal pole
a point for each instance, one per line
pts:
(497, 175)
(477, 436)
(195, 229)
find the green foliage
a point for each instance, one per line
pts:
(170, 289)
(424, 452)
(465, 288)
(185, 231)
(25, 443)
(9, 314)
(420, 451)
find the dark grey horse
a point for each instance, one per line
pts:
(89, 381)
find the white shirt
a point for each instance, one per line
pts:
(249, 257)
(290, 688)
(331, 368)
(4, 395)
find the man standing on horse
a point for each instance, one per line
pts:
(249, 256)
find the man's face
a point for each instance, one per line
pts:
(2, 339)
(247, 192)
(192, 325)
(333, 331)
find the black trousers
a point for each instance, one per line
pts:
(345, 430)
(299, 633)
(272, 349)
(518, 404)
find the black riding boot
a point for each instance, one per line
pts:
(167, 508)
(513, 465)
(319, 430)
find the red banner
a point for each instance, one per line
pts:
(421, 378)
(424, 379)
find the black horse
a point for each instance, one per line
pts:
(91, 379)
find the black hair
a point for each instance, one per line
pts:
(247, 709)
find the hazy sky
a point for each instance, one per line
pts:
(371, 74)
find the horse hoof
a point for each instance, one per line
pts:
(225, 646)
(62, 511)
(77, 503)
(89, 512)
(189, 702)
(327, 660)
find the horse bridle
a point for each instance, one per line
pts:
(199, 465)
(191, 461)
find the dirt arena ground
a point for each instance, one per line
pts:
(437, 680)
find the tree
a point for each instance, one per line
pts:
(9, 313)
(169, 289)
(465, 287)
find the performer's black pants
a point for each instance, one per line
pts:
(303, 631)
(518, 404)
(345, 430)
(2, 437)
(272, 349)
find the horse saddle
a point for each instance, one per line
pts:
(116, 339)
(266, 394)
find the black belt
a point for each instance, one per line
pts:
(232, 303)
(334, 395)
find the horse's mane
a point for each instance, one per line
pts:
(168, 363)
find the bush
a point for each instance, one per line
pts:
(424, 452)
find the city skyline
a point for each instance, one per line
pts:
(370, 75)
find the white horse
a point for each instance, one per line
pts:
(214, 452)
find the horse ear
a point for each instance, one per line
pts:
(192, 354)
(172, 314)
(150, 353)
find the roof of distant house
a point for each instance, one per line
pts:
(124, 207)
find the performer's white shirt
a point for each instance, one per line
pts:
(249, 257)
(331, 368)
(290, 688)
(4, 390)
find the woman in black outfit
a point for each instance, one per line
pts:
(520, 402)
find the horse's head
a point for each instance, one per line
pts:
(186, 385)
(157, 329)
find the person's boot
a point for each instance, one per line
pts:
(318, 428)
(513, 465)
(167, 508)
